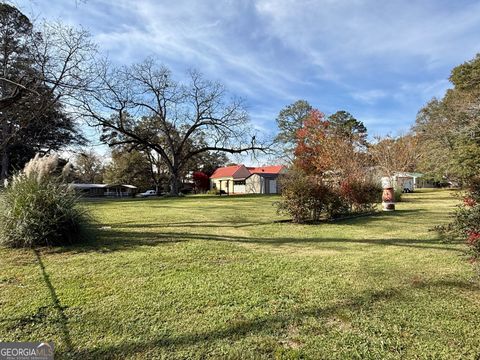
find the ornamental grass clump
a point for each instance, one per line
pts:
(38, 208)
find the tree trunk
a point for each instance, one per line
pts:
(174, 189)
(5, 165)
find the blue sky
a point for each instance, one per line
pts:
(379, 60)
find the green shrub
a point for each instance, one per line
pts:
(398, 195)
(38, 208)
(309, 198)
(362, 195)
(303, 197)
(466, 221)
(213, 192)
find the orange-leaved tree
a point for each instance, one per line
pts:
(324, 152)
(331, 173)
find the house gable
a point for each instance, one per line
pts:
(241, 173)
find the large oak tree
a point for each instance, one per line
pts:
(144, 107)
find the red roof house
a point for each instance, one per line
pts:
(231, 172)
(239, 179)
(275, 169)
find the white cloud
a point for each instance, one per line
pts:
(369, 96)
(353, 32)
(197, 36)
(426, 89)
(387, 55)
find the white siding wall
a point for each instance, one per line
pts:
(239, 189)
(255, 185)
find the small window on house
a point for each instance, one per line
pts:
(239, 182)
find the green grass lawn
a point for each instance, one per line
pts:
(209, 277)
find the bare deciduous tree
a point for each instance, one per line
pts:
(89, 167)
(392, 154)
(143, 107)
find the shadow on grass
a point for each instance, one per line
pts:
(193, 224)
(359, 219)
(112, 240)
(131, 234)
(107, 241)
(237, 329)
(168, 199)
(63, 320)
(44, 315)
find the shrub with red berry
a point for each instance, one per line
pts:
(466, 223)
